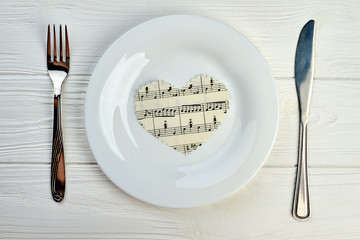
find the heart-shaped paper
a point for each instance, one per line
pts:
(183, 119)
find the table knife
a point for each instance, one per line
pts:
(304, 73)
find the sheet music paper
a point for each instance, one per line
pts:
(182, 118)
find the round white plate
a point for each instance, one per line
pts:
(177, 48)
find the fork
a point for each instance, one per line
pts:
(58, 70)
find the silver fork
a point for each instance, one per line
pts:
(58, 70)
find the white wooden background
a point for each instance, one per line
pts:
(94, 208)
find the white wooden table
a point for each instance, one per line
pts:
(95, 208)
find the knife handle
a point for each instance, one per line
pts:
(57, 158)
(301, 207)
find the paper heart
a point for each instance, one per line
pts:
(183, 119)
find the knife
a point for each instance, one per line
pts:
(304, 73)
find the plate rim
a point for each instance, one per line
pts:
(238, 186)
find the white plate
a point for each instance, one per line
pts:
(176, 48)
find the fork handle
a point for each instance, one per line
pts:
(301, 207)
(57, 158)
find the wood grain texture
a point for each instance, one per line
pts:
(26, 121)
(273, 26)
(94, 208)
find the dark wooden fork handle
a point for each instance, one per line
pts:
(57, 158)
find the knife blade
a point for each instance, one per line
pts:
(304, 74)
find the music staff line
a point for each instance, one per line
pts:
(183, 130)
(183, 109)
(186, 148)
(191, 90)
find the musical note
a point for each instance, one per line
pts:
(182, 118)
(186, 148)
(146, 91)
(182, 130)
(185, 109)
(158, 90)
(191, 108)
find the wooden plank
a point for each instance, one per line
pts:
(333, 130)
(26, 107)
(95, 208)
(272, 26)
(26, 121)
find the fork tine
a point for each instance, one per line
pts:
(55, 52)
(61, 45)
(67, 45)
(49, 45)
